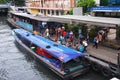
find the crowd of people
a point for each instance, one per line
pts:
(68, 38)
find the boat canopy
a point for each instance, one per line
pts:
(57, 50)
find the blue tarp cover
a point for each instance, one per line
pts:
(60, 52)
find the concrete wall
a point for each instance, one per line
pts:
(78, 11)
(97, 2)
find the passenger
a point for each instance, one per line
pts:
(71, 38)
(85, 44)
(65, 35)
(47, 35)
(61, 39)
(68, 44)
(40, 27)
(81, 48)
(76, 46)
(57, 35)
(100, 37)
(35, 32)
(95, 42)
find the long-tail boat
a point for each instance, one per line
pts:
(65, 62)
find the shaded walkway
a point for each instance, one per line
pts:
(103, 53)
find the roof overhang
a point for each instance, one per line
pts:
(72, 19)
(98, 21)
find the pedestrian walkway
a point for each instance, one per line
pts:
(103, 53)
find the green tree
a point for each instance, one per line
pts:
(4, 1)
(86, 4)
(83, 28)
(93, 32)
(14, 2)
(19, 2)
(75, 29)
(103, 2)
(70, 12)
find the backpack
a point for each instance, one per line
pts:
(81, 49)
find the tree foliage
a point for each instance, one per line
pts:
(14, 2)
(19, 2)
(93, 32)
(70, 12)
(4, 1)
(86, 4)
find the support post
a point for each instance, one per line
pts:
(118, 61)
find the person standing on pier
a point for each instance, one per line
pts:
(47, 35)
(85, 44)
(99, 38)
(95, 42)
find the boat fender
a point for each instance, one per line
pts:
(106, 71)
(48, 46)
(95, 66)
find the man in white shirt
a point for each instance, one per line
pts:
(47, 32)
(85, 44)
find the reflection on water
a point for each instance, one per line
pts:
(17, 64)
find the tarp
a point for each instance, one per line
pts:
(60, 52)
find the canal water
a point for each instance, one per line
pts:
(17, 64)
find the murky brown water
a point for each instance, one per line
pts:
(17, 64)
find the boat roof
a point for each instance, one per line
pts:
(73, 19)
(59, 51)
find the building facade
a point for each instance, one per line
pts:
(49, 7)
(112, 9)
(114, 2)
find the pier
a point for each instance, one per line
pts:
(102, 59)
